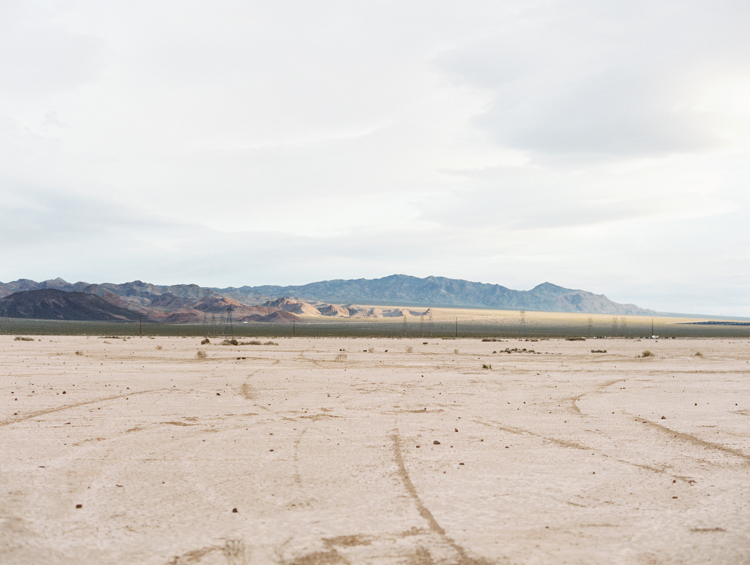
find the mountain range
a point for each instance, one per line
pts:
(337, 298)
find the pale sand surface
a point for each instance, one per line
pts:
(559, 457)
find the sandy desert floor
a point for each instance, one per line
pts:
(323, 451)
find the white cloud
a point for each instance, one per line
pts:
(596, 145)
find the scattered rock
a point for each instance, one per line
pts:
(436, 442)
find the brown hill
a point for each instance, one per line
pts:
(277, 317)
(293, 306)
(334, 311)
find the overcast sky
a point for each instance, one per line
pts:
(595, 145)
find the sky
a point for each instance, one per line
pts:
(602, 146)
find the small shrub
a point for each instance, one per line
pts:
(158, 348)
(698, 354)
(270, 343)
(575, 339)
(647, 353)
(200, 355)
(79, 353)
(21, 338)
(455, 351)
(230, 342)
(410, 349)
(371, 350)
(340, 357)
(205, 341)
(484, 366)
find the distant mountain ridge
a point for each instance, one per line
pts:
(192, 303)
(406, 290)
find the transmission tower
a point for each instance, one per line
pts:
(228, 324)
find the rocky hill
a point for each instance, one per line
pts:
(51, 304)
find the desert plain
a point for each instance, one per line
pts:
(374, 450)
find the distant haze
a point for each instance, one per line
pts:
(598, 145)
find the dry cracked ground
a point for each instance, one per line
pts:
(420, 451)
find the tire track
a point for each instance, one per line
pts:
(691, 439)
(574, 400)
(436, 528)
(520, 431)
(76, 405)
(574, 445)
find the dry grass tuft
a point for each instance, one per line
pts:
(201, 355)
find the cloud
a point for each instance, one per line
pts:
(230, 143)
(38, 59)
(583, 79)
